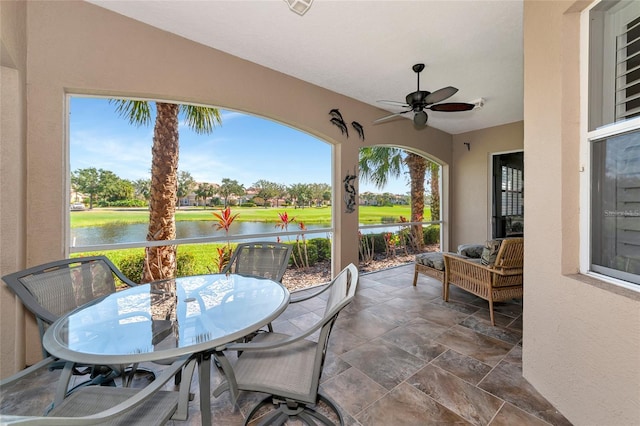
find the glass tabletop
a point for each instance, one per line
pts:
(166, 318)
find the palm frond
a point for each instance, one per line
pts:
(201, 120)
(378, 164)
(137, 112)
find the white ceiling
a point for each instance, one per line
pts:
(365, 49)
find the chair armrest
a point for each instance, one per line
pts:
(27, 371)
(260, 346)
(111, 413)
(454, 264)
(453, 259)
(302, 298)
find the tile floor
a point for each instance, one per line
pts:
(399, 355)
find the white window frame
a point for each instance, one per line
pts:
(586, 138)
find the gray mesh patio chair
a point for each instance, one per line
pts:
(261, 259)
(53, 289)
(288, 367)
(105, 405)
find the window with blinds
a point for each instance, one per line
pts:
(614, 62)
(628, 71)
(614, 137)
(512, 191)
(615, 232)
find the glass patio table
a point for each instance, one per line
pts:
(168, 318)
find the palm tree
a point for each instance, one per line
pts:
(160, 262)
(379, 163)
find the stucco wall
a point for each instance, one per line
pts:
(470, 180)
(76, 47)
(12, 178)
(581, 346)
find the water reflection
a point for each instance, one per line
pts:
(116, 233)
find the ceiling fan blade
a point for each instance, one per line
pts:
(440, 95)
(452, 107)
(395, 103)
(388, 117)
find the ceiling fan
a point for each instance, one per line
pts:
(421, 100)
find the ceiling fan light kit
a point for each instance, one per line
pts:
(421, 100)
(420, 119)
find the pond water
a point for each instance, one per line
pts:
(119, 233)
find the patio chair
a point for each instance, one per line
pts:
(53, 289)
(262, 259)
(496, 278)
(151, 405)
(288, 367)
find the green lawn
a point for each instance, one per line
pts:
(368, 214)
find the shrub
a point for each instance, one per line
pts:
(186, 265)
(299, 257)
(379, 245)
(248, 204)
(123, 203)
(131, 265)
(323, 247)
(431, 234)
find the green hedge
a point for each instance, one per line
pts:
(123, 203)
(431, 234)
(132, 265)
(194, 259)
(318, 250)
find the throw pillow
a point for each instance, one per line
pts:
(473, 251)
(490, 252)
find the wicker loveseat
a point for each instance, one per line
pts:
(432, 264)
(494, 279)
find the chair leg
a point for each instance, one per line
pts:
(269, 418)
(493, 322)
(285, 410)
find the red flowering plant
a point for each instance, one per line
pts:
(285, 220)
(225, 219)
(303, 260)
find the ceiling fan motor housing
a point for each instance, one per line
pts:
(417, 99)
(420, 100)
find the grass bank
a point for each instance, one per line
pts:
(368, 215)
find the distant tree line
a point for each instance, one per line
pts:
(104, 188)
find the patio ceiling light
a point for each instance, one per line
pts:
(299, 6)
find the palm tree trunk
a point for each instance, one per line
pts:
(417, 166)
(160, 262)
(435, 191)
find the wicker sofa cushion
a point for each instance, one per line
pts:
(490, 251)
(436, 261)
(432, 260)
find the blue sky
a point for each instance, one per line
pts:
(244, 148)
